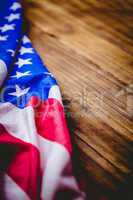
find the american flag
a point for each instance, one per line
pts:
(35, 146)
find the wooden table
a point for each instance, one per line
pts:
(88, 46)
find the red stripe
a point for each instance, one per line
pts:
(21, 161)
(50, 121)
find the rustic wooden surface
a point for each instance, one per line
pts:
(87, 45)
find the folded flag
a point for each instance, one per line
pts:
(35, 146)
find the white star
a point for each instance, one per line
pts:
(11, 51)
(19, 92)
(26, 40)
(3, 38)
(7, 27)
(22, 62)
(12, 17)
(20, 74)
(24, 50)
(15, 6)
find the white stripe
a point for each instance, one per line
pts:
(69, 182)
(13, 191)
(3, 71)
(54, 156)
(19, 122)
(55, 160)
(54, 92)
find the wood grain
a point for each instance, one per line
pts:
(88, 46)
